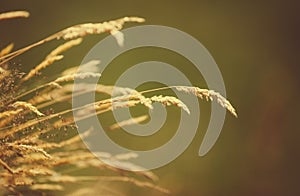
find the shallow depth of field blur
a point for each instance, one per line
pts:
(256, 47)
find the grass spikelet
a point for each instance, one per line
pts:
(90, 66)
(131, 121)
(10, 113)
(28, 149)
(142, 99)
(95, 28)
(42, 65)
(130, 100)
(54, 55)
(56, 93)
(52, 187)
(14, 14)
(169, 100)
(130, 155)
(209, 95)
(64, 47)
(25, 105)
(72, 77)
(6, 50)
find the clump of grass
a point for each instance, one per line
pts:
(28, 157)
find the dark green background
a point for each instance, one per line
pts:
(255, 44)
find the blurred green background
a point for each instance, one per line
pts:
(256, 46)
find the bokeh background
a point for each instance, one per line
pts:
(256, 45)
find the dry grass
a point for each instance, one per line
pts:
(77, 31)
(14, 14)
(29, 159)
(6, 50)
(131, 121)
